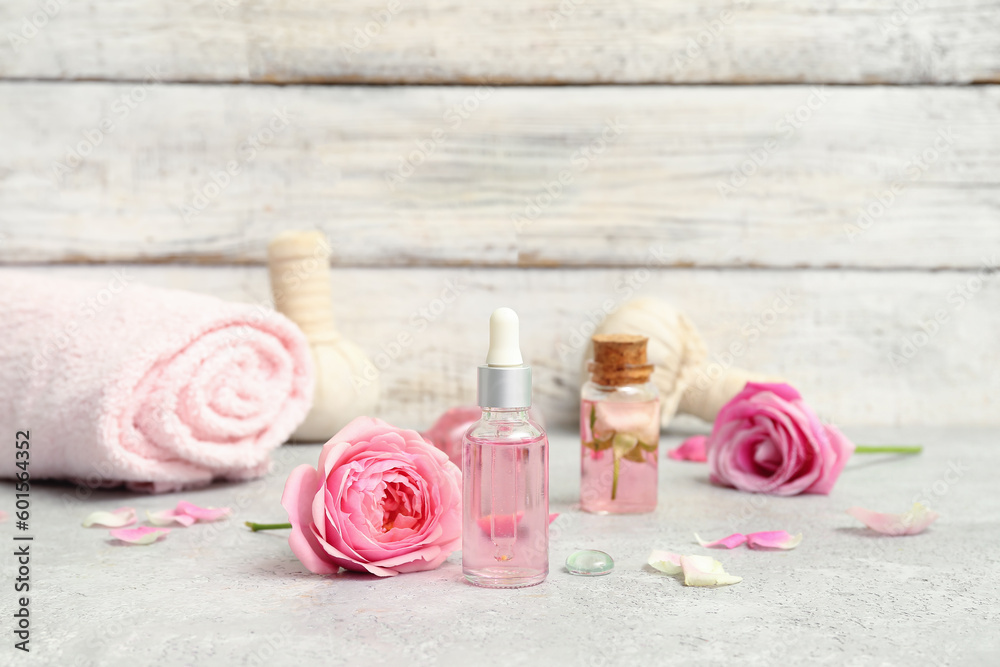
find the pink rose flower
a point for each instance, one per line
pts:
(382, 501)
(447, 432)
(767, 440)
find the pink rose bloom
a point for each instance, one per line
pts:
(767, 440)
(447, 432)
(641, 420)
(382, 501)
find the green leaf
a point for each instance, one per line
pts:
(593, 418)
(636, 455)
(627, 447)
(598, 445)
(649, 448)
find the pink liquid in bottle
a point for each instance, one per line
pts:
(505, 532)
(618, 456)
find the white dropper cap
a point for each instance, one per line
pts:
(504, 381)
(505, 348)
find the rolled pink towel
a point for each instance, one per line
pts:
(158, 389)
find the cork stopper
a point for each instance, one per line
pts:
(619, 360)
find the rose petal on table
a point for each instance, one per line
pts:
(731, 542)
(553, 517)
(692, 449)
(123, 516)
(911, 522)
(167, 517)
(706, 571)
(203, 513)
(773, 539)
(140, 535)
(664, 561)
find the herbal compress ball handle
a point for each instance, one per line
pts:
(298, 263)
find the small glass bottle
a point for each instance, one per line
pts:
(619, 428)
(505, 472)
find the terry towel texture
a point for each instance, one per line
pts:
(158, 389)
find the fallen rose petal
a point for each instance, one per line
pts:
(731, 542)
(203, 513)
(692, 449)
(123, 516)
(167, 517)
(553, 517)
(912, 522)
(664, 561)
(706, 571)
(773, 539)
(140, 535)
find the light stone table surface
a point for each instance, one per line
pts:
(219, 594)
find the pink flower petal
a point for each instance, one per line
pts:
(697, 570)
(731, 542)
(912, 522)
(706, 571)
(203, 513)
(167, 517)
(553, 517)
(140, 535)
(123, 516)
(692, 449)
(773, 539)
(664, 561)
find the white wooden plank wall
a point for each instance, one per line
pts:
(848, 154)
(507, 41)
(844, 341)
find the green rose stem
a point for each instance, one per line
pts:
(888, 449)
(617, 468)
(266, 526)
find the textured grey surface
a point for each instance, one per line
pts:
(218, 594)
